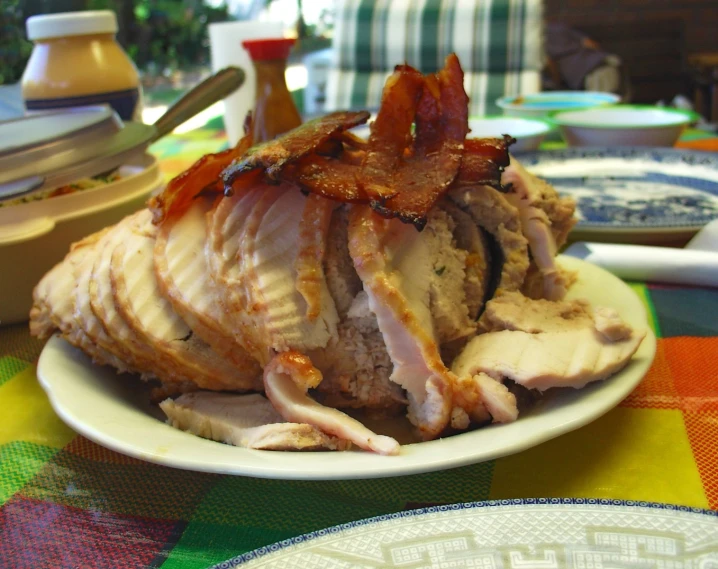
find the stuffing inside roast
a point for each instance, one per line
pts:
(281, 295)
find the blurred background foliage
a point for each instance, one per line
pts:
(162, 36)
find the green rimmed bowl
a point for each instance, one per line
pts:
(542, 105)
(623, 125)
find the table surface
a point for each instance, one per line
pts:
(67, 502)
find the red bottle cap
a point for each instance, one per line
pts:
(272, 48)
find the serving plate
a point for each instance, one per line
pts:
(113, 410)
(531, 533)
(637, 195)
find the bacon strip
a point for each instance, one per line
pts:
(329, 177)
(391, 133)
(203, 175)
(441, 127)
(483, 161)
(273, 156)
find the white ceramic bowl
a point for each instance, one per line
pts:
(529, 133)
(34, 236)
(542, 105)
(623, 125)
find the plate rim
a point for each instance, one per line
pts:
(533, 158)
(540, 503)
(364, 465)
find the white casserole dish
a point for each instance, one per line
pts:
(34, 236)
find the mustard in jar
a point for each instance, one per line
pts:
(76, 61)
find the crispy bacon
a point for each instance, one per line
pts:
(273, 156)
(202, 176)
(398, 173)
(328, 177)
(441, 128)
(391, 133)
(483, 161)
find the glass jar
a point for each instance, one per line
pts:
(274, 109)
(76, 61)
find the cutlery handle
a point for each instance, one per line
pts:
(197, 99)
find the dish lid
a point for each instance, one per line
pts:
(60, 147)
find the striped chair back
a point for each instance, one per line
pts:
(499, 44)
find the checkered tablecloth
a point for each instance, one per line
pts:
(66, 502)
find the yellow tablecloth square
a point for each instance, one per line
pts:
(631, 454)
(27, 414)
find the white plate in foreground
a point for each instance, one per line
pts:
(113, 410)
(534, 533)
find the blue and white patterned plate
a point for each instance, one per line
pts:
(522, 534)
(633, 189)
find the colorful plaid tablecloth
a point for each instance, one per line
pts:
(66, 502)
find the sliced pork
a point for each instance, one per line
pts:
(288, 377)
(546, 220)
(255, 241)
(183, 275)
(182, 355)
(394, 263)
(541, 344)
(247, 421)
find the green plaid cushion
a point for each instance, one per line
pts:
(498, 42)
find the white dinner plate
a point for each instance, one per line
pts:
(636, 195)
(508, 534)
(113, 410)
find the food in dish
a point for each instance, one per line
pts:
(78, 186)
(337, 275)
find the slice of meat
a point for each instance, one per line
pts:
(491, 211)
(393, 262)
(313, 228)
(289, 376)
(610, 324)
(499, 401)
(514, 311)
(559, 210)
(247, 421)
(54, 305)
(86, 318)
(225, 232)
(355, 364)
(481, 398)
(102, 303)
(471, 238)
(256, 244)
(138, 299)
(535, 199)
(183, 275)
(547, 359)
